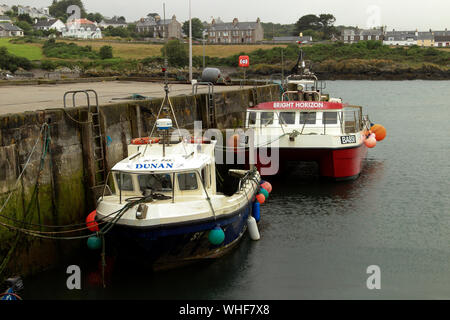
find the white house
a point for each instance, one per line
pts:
(46, 25)
(10, 30)
(401, 38)
(34, 12)
(115, 22)
(4, 8)
(82, 29)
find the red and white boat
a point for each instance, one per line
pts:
(310, 126)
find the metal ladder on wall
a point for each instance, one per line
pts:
(210, 101)
(99, 150)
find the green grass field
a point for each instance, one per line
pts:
(141, 50)
(30, 51)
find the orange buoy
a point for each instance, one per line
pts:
(260, 198)
(371, 142)
(380, 132)
(91, 224)
(266, 185)
(146, 140)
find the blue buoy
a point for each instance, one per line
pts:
(256, 212)
(94, 243)
(216, 236)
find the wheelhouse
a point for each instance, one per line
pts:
(310, 117)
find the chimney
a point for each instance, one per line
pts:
(235, 21)
(258, 20)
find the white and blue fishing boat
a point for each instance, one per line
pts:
(166, 207)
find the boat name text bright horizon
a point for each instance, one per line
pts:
(290, 105)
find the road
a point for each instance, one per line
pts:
(16, 99)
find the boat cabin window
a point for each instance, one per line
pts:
(125, 181)
(308, 117)
(155, 183)
(187, 181)
(252, 118)
(287, 117)
(267, 118)
(330, 118)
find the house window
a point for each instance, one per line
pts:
(369, 37)
(377, 37)
(352, 38)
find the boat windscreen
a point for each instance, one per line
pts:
(287, 117)
(125, 181)
(308, 118)
(267, 118)
(252, 118)
(330, 118)
(187, 181)
(155, 183)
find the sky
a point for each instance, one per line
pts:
(395, 14)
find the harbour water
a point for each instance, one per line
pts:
(318, 238)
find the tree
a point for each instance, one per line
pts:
(177, 53)
(106, 52)
(97, 17)
(25, 26)
(25, 17)
(308, 22)
(58, 9)
(197, 28)
(327, 21)
(322, 23)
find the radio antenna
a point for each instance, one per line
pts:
(166, 82)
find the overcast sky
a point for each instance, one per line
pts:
(398, 14)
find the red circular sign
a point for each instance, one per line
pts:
(244, 61)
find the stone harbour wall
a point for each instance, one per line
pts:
(56, 187)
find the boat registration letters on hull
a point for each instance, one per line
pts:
(348, 139)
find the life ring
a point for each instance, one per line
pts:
(146, 140)
(200, 141)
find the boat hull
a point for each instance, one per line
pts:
(173, 246)
(337, 164)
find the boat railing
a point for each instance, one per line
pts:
(351, 119)
(303, 95)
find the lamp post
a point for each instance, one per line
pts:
(190, 43)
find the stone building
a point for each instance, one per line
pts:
(401, 38)
(356, 35)
(235, 32)
(156, 27)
